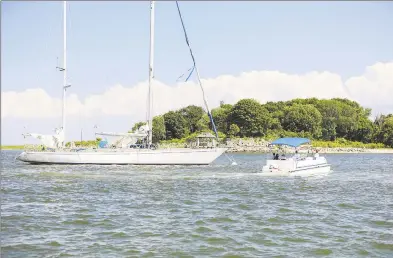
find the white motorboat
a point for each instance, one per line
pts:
(299, 164)
(120, 148)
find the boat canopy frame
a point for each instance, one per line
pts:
(291, 142)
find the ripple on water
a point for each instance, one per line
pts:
(244, 207)
(322, 251)
(178, 253)
(77, 222)
(225, 200)
(363, 252)
(383, 246)
(149, 234)
(233, 255)
(347, 206)
(200, 222)
(274, 231)
(296, 240)
(284, 210)
(383, 223)
(277, 220)
(211, 250)
(54, 243)
(119, 235)
(222, 220)
(203, 229)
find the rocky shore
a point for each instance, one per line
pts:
(260, 145)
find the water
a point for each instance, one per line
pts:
(218, 210)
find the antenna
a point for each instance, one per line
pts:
(151, 74)
(63, 69)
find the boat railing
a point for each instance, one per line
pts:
(42, 148)
(37, 148)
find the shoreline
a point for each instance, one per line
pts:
(324, 151)
(262, 148)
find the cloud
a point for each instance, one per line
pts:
(373, 89)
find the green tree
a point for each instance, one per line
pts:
(276, 109)
(193, 115)
(233, 130)
(159, 132)
(203, 123)
(384, 130)
(251, 117)
(176, 125)
(378, 123)
(220, 116)
(303, 118)
(137, 126)
(330, 114)
(329, 128)
(364, 130)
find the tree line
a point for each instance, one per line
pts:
(318, 119)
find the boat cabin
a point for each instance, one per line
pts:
(204, 140)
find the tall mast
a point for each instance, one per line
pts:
(64, 68)
(151, 73)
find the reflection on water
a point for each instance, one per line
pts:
(216, 210)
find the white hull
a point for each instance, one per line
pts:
(126, 156)
(303, 172)
(292, 167)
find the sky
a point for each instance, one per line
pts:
(264, 50)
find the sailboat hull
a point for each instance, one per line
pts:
(132, 157)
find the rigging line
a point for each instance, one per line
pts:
(193, 60)
(181, 76)
(200, 82)
(192, 70)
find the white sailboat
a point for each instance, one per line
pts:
(119, 148)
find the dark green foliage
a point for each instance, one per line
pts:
(137, 126)
(220, 116)
(325, 119)
(193, 115)
(159, 132)
(251, 117)
(383, 130)
(176, 125)
(233, 130)
(303, 118)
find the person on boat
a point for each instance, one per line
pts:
(316, 155)
(274, 156)
(296, 156)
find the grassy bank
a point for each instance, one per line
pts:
(347, 144)
(339, 143)
(12, 147)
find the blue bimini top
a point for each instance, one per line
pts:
(293, 142)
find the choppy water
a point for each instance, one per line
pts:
(213, 211)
